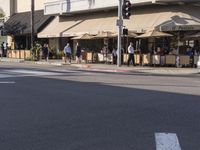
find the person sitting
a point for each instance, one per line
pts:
(189, 52)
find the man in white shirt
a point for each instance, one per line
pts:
(67, 52)
(131, 54)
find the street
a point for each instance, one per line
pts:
(64, 108)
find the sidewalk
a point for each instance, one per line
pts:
(112, 68)
(137, 69)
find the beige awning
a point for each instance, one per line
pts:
(164, 18)
(84, 37)
(57, 27)
(105, 34)
(193, 36)
(93, 24)
(154, 33)
(161, 18)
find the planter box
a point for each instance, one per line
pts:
(170, 60)
(146, 59)
(137, 59)
(184, 60)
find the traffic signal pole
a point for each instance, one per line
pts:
(32, 22)
(120, 26)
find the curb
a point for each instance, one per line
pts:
(89, 68)
(49, 63)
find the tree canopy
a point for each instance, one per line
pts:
(2, 14)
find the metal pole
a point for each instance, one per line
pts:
(120, 25)
(32, 21)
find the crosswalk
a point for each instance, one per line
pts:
(9, 73)
(167, 141)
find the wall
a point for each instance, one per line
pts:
(63, 6)
(25, 5)
(5, 6)
(72, 6)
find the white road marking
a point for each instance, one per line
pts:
(5, 76)
(7, 82)
(45, 73)
(31, 72)
(167, 141)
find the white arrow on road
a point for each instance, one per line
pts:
(167, 141)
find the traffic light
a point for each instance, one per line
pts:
(125, 31)
(126, 9)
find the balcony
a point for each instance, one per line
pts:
(52, 7)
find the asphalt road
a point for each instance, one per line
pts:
(60, 108)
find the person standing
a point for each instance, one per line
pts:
(5, 45)
(114, 55)
(67, 52)
(78, 53)
(2, 49)
(45, 51)
(131, 54)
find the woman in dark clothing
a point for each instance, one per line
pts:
(2, 49)
(45, 51)
(78, 53)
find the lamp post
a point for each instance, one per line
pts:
(32, 22)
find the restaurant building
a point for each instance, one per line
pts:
(18, 21)
(74, 18)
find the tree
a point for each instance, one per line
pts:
(2, 14)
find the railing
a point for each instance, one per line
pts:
(19, 54)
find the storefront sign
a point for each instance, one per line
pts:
(180, 28)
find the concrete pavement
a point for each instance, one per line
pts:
(112, 68)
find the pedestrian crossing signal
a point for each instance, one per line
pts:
(126, 9)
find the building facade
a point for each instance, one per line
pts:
(74, 18)
(17, 23)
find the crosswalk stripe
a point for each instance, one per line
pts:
(37, 72)
(32, 72)
(7, 82)
(167, 141)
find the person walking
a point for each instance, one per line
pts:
(78, 53)
(131, 54)
(67, 52)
